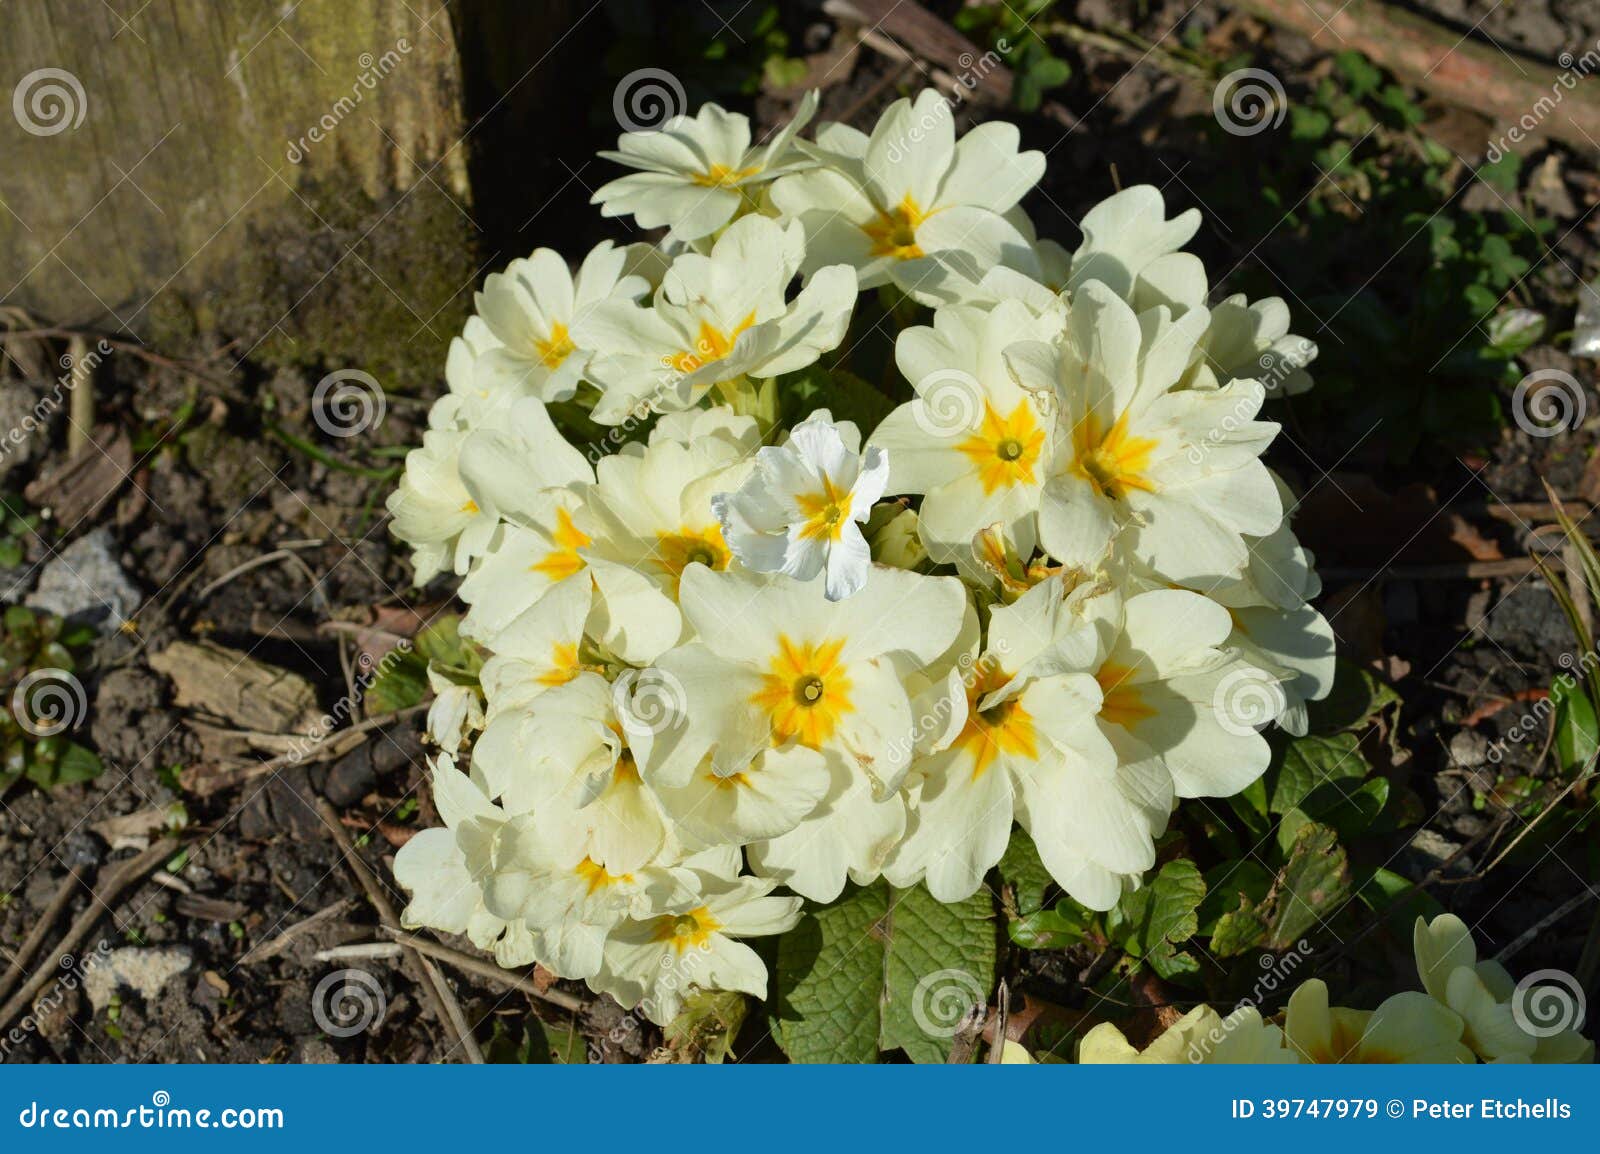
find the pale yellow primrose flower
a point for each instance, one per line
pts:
(1407, 1028)
(717, 318)
(911, 190)
(1025, 743)
(446, 892)
(1480, 993)
(532, 308)
(776, 663)
(1200, 1037)
(1171, 478)
(699, 172)
(654, 963)
(972, 442)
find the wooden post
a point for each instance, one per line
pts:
(291, 175)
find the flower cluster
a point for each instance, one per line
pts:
(1055, 587)
(1467, 1011)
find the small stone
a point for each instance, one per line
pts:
(351, 778)
(1469, 749)
(142, 970)
(17, 411)
(54, 1009)
(317, 1052)
(85, 583)
(1430, 849)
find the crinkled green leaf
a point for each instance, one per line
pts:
(1348, 808)
(400, 684)
(1306, 763)
(882, 969)
(1226, 883)
(1052, 929)
(1152, 921)
(442, 644)
(1312, 885)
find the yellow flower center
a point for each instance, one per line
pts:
(1004, 728)
(682, 931)
(1005, 449)
(712, 344)
(1112, 459)
(806, 693)
(894, 233)
(675, 552)
(563, 561)
(563, 664)
(1120, 703)
(555, 350)
(471, 508)
(596, 876)
(826, 513)
(721, 176)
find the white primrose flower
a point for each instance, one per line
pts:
(1171, 477)
(1024, 741)
(699, 172)
(532, 308)
(911, 190)
(654, 963)
(433, 866)
(776, 663)
(973, 443)
(717, 317)
(796, 512)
